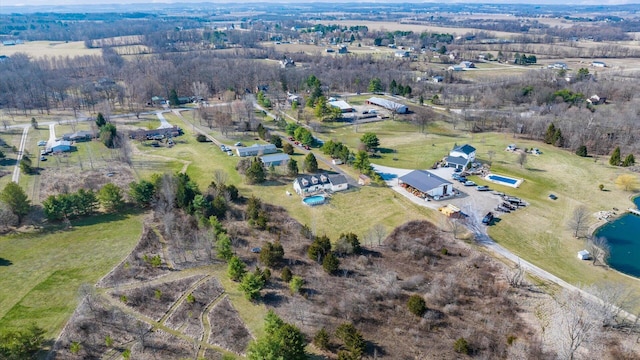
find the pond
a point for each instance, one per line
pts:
(623, 235)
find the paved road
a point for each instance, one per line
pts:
(164, 124)
(23, 141)
(52, 134)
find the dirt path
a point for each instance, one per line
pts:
(206, 324)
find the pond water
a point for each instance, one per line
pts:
(623, 235)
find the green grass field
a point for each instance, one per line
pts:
(40, 272)
(538, 233)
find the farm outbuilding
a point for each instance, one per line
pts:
(61, 146)
(584, 255)
(424, 184)
(256, 149)
(274, 159)
(388, 104)
(342, 105)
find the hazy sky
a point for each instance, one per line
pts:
(85, 2)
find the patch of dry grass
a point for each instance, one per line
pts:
(40, 49)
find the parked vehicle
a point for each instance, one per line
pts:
(553, 197)
(488, 218)
(42, 158)
(469, 183)
(229, 152)
(42, 143)
(238, 144)
(483, 188)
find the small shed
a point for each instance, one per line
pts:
(584, 255)
(364, 180)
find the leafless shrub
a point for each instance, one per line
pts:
(227, 329)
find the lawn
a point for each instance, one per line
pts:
(538, 233)
(40, 272)
(39, 49)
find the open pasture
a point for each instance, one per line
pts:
(40, 49)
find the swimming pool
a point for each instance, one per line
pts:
(314, 200)
(504, 180)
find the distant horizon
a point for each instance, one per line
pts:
(54, 3)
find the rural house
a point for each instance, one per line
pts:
(306, 185)
(426, 184)
(79, 136)
(155, 134)
(461, 156)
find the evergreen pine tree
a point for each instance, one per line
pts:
(615, 157)
(549, 137)
(629, 160)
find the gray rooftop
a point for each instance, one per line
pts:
(274, 158)
(458, 160)
(423, 180)
(338, 179)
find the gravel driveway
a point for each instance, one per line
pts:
(472, 202)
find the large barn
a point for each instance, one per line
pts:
(425, 184)
(388, 104)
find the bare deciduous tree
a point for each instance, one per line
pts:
(516, 276)
(578, 221)
(599, 249)
(614, 299)
(573, 323)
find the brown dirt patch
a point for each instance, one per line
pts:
(227, 329)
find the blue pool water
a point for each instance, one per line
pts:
(623, 235)
(503, 179)
(314, 200)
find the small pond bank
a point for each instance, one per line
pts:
(623, 236)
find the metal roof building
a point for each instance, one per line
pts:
(342, 105)
(389, 105)
(427, 183)
(256, 149)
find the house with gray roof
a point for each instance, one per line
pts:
(461, 156)
(79, 136)
(311, 184)
(424, 184)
